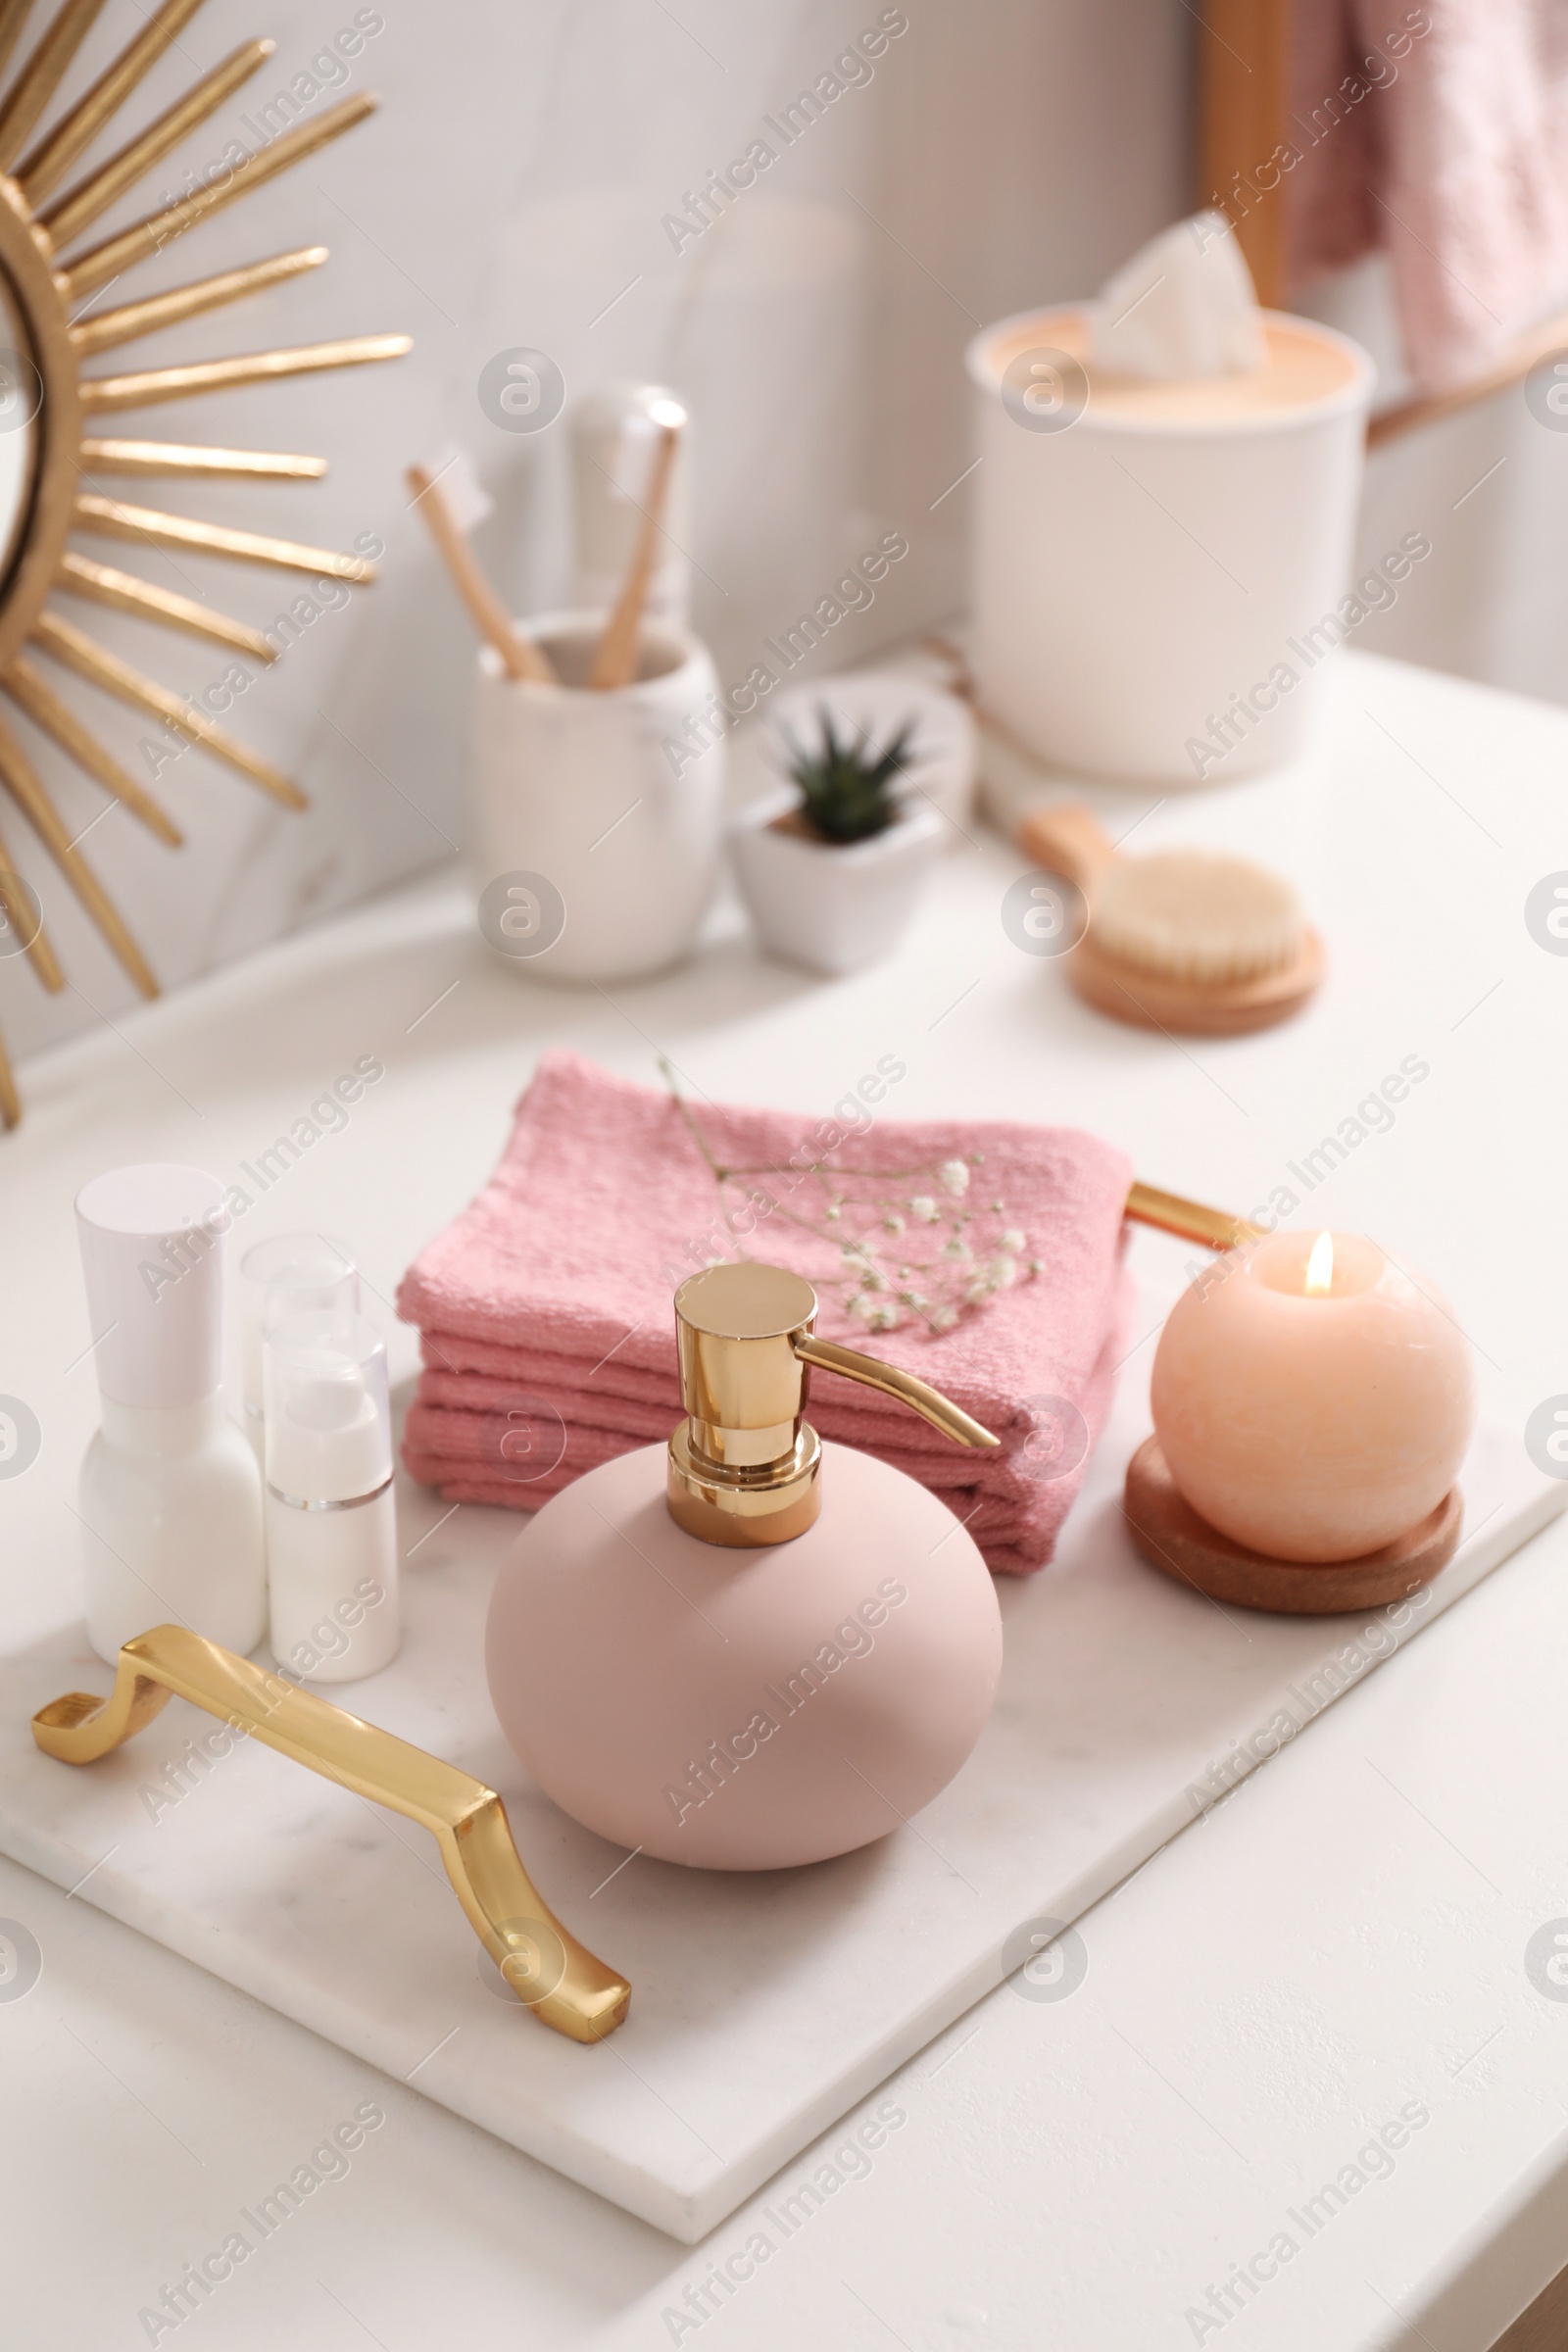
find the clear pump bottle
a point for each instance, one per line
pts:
(331, 1516)
(287, 1274)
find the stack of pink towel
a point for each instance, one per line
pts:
(547, 1326)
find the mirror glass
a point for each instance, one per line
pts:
(20, 397)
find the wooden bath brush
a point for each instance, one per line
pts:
(1193, 941)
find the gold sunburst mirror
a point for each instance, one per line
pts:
(54, 404)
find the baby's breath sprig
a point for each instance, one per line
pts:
(917, 1245)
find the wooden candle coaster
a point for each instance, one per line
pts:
(1172, 1537)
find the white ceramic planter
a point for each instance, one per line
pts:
(832, 910)
(596, 825)
(1133, 575)
(945, 744)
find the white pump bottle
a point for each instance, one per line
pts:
(170, 1493)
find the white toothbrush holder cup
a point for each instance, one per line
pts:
(597, 817)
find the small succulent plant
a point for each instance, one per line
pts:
(846, 789)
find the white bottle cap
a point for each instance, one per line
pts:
(152, 1251)
(328, 1417)
(290, 1274)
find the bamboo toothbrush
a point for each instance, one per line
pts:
(519, 657)
(615, 661)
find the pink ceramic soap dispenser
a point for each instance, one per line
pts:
(748, 1649)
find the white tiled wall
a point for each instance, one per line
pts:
(512, 192)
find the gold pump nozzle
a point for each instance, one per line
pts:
(745, 1464)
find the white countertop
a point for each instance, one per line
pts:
(1342, 1939)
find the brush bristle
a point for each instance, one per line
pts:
(1194, 916)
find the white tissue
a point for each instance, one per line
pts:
(467, 501)
(1184, 305)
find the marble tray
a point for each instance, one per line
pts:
(763, 2008)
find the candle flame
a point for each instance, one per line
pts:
(1320, 1267)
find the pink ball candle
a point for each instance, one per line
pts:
(1312, 1399)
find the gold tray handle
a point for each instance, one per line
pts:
(1189, 1220)
(565, 1986)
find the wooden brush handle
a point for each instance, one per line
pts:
(519, 657)
(1069, 840)
(615, 656)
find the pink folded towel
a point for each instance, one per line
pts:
(545, 1310)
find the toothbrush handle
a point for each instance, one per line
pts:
(615, 661)
(929, 1403)
(521, 657)
(563, 1985)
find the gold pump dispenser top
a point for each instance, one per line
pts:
(745, 1465)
